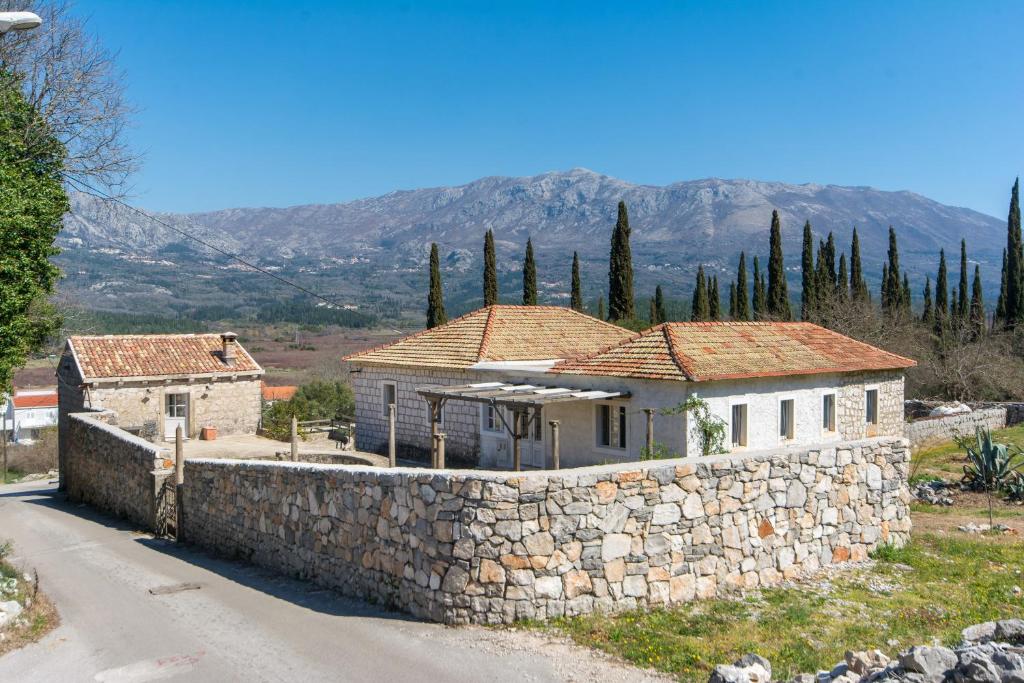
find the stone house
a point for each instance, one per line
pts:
(26, 413)
(154, 383)
(611, 390)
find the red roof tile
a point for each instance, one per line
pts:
(156, 355)
(733, 350)
(278, 393)
(22, 401)
(498, 333)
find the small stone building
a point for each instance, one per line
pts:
(771, 384)
(155, 383)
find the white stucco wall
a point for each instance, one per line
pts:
(578, 428)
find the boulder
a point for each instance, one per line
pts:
(1010, 631)
(749, 668)
(979, 633)
(934, 662)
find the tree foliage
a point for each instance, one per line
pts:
(490, 270)
(620, 271)
(529, 276)
(435, 297)
(778, 293)
(32, 204)
(576, 298)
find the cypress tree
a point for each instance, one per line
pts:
(905, 296)
(858, 285)
(808, 298)
(652, 312)
(576, 300)
(742, 301)
(529, 276)
(760, 300)
(927, 314)
(941, 295)
(885, 287)
(700, 307)
(778, 295)
(620, 271)
(1014, 303)
(977, 303)
(715, 307)
(659, 305)
(600, 308)
(435, 297)
(842, 290)
(732, 301)
(490, 270)
(963, 303)
(1001, 302)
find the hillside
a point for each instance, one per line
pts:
(371, 253)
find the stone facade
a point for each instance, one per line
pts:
(115, 471)
(930, 430)
(488, 547)
(460, 423)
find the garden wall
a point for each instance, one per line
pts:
(492, 547)
(115, 471)
(929, 430)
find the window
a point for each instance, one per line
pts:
(538, 425)
(492, 423)
(786, 419)
(739, 425)
(177, 405)
(611, 426)
(871, 406)
(390, 392)
(828, 412)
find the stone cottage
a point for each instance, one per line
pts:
(154, 383)
(500, 375)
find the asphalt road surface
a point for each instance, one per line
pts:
(134, 608)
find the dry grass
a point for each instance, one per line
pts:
(39, 617)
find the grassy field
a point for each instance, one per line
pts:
(942, 582)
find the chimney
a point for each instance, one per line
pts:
(229, 347)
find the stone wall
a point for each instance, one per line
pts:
(930, 430)
(490, 547)
(115, 471)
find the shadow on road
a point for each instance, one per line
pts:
(295, 591)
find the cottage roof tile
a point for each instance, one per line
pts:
(156, 355)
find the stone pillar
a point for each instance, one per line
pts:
(179, 484)
(555, 453)
(392, 450)
(440, 450)
(433, 406)
(295, 439)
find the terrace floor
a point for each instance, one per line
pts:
(253, 447)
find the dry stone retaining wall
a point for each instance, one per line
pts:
(115, 471)
(489, 547)
(930, 430)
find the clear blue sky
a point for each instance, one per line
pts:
(277, 103)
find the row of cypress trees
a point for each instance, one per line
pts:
(825, 288)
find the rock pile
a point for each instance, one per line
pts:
(991, 652)
(932, 492)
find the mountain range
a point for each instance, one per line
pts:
(371, 253)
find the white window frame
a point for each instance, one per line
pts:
(612, 407)
(835, 417)
(746, 424)
(384, 395)
(791, 436)
(878, 395)
(485, 411)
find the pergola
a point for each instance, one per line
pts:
(524, 400)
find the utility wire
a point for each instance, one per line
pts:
(185, 233)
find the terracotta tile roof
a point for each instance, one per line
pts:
(156, 355)
(499, 333)
(35, 400)
(277, 393)
(710, 351)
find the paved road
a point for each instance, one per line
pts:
(240, 624)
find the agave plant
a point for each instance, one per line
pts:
(990, 466)
(1015, 487)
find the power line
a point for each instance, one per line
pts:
(185, 233)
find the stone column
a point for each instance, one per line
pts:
(179, 484)
(440, 450)
(517, 435)
(295, 439)
(650, 430)
(555, 452)
(392, 450)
